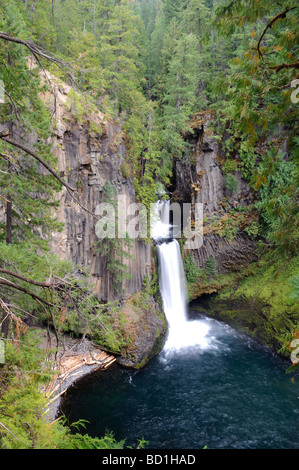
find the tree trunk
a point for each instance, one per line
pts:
(8, 220)
(5, 325)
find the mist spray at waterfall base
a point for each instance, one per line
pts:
(182, 333)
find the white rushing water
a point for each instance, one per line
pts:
(173, 287)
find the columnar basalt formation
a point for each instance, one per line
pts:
(87, 159)
(200, 179)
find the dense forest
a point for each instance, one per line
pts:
(153, 67)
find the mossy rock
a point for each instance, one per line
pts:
(262, 304)
(145, 328)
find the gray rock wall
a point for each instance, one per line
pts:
(86, 160)
(200, 179)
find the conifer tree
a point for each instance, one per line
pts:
(211, 267)
(259, 107)
(26, 189)
(120, 55)
(179, 98)
(156, 42)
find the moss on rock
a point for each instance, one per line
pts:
(145, 327)
(263, 304)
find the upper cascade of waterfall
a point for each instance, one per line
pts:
(161, 228)
(173, 286)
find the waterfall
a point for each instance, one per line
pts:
(182, 333)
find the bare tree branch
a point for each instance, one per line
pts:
(38, 53)
(30, 281)
(7, 283)
(1, 424)
(21, 327)
(21, 310)
(277, 68)
(70, 190)
(14, 105)
(40, 160)
(270, 24)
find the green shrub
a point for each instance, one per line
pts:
(230, 166)
(252, 229)
(231, 182)
(211, 267)
(192, 270)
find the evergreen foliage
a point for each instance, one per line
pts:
(23, 422)
(231, 182)
(211, 267)
(192, 270)
(149, 65)
(26, 191)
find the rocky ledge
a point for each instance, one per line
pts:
(145, 328)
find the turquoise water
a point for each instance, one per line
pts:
(227, 393)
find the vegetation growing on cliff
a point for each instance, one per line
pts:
(150, 65)
(263, 303)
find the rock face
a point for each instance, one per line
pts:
(247, 315)
(200, 179)
(145, 328)
(91, 153)
(87, 159)
(230, 255)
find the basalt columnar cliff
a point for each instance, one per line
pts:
(191, 101)
(201, 179)
(88, 160)
(254, 294)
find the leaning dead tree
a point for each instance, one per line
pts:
(70, 190)
(55, 296)
(40, 54)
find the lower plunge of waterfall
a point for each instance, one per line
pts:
(233, 394)
(210, 386)
(182, 333)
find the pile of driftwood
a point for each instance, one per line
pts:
(71, 362)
